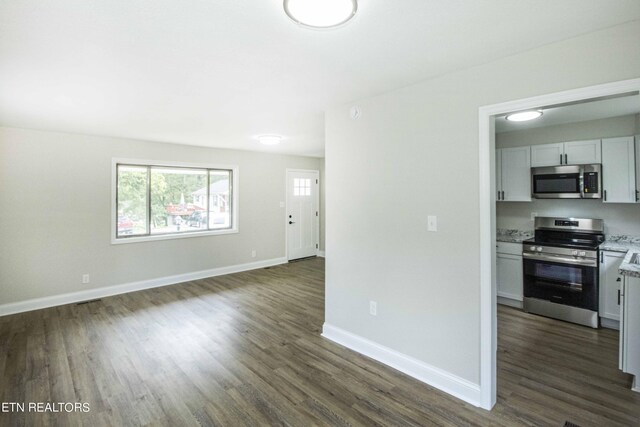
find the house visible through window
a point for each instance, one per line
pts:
(163, 200)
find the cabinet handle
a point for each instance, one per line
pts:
(566, 159)
(637, 196)
(605, 195)
(618, 296)
(601, 257)
(503, 195)
(560, 158)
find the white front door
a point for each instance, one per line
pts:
(302, 216)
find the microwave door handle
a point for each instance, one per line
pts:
(581, 179)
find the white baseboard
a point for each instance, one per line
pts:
(509, 301)
(321, 254)
(436, 377)
(107, 291)
(610, 323)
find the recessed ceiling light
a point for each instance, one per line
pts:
(523, 116)
(321, 13)
(270, 139)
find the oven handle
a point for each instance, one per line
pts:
(560, 259)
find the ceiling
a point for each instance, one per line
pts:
(578, 112)
(220, 72)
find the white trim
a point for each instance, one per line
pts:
(146, 162)
(610, 323)
(511, 302)
(509, 295)
(286, 208)
(90, 294)
(436, 377)
(488, 315)
(321, 254)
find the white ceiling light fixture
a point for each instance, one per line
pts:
(524, 116)
(270, 139)
(320, 13)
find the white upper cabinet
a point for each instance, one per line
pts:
(547, 154)
(516, 174)
(619, 170)
(582, 152)
(566, 153)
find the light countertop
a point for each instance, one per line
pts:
(627, 244)
(512, 236)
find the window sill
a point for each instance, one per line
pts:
(140, 239)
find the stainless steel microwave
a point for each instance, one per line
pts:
(567, 182)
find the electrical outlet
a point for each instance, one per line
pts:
(253, 253)
(373, 308)
(534, 215)
(85, 279)
(432, 223)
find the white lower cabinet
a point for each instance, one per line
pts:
(610, 283)
(630, 328)
(509, 276)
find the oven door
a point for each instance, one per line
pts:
(557, 182)
(561, 282)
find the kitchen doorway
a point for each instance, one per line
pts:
(488, 196)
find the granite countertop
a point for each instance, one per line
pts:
(628, 269)
(512, 236)
(620, 243)
(627, 244)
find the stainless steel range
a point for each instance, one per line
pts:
(561, 269)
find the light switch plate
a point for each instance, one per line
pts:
(432, 223)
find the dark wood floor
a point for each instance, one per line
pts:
(245, 349)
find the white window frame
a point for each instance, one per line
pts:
(235, 197)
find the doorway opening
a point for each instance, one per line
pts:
(491, 118)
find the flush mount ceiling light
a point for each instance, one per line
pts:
(270, 139)
(524, 116)
(320, 13)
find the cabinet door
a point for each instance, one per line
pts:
(516, 174)
(499, 174)
(509, 276)
(610, 281)
(630, 327)
(637, 168)
(547, 155)
(582, 152)
(618, 170)
(623, 328)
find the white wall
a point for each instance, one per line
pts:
(618, 218)
(322, 203)
(413, 153)
(56, 214)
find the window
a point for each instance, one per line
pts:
(166, 201)
(301, 187)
